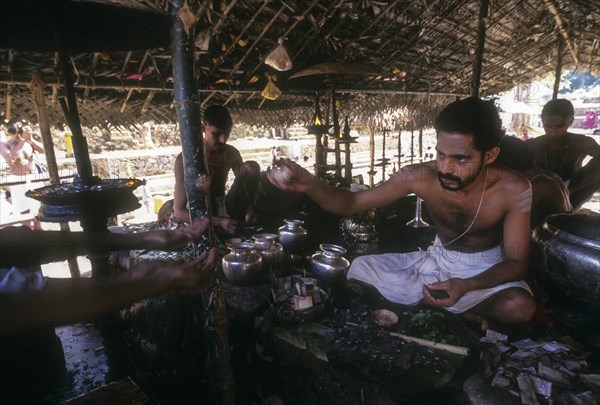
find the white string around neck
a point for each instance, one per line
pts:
(487, 169)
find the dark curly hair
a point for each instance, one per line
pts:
(218, 116)
(560, 106)
(472, 116)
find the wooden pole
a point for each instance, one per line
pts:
(8, 115)
(37, 87)
(399, 148)
(383, 159)
(187, 106)
(412, 143)
(558, 70)
(421, 144)
(372, 156)
(336, 133)
(80, 147)
(477, 63)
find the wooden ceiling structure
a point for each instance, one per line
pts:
(419, 54)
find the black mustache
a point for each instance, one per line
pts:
(448, 177)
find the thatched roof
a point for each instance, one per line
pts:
(421, 53)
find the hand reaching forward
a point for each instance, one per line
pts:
(449, 292)
(176, 239)
(289, 176)
(177, 276)
(229, 225)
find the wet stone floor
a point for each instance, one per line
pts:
(85, 360)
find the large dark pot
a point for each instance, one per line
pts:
(569, 253)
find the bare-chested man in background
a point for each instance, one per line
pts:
(481, 212)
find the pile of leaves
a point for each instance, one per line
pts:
(437, 326)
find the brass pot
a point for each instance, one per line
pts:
(243, 265)
(329, 264)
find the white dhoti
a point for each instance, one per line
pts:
(400, 277)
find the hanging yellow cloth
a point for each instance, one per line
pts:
(271, 92)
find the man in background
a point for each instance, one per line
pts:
(563, 152)
(549, 193)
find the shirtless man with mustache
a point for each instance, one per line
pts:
(481, 212)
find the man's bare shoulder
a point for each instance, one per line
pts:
(232, 155)
(416, 173)
(511, 188)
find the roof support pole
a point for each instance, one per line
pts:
(187, 106)
(399, 156)
(558, 70)
(477, 63)
(372, 170)
(336, 133)
(69, 107)
(9, 102)
(37, 88)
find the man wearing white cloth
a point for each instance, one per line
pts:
(481, 212)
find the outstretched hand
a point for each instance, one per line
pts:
(444, 293)
(178, 276)
(290, 176)
(229, 225)
(177, 239)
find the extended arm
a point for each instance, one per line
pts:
(22, 247)
(69, 300)
(288, 175)
(35, 145)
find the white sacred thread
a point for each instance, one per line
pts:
(487, 169)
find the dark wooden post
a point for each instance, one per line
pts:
(421, 143)
(37, 87)
(559, 63)
(80, 147)
(372, 171)
(336, 134)
(383, 158)
(399, 148)
(477, 63)
(187, 105)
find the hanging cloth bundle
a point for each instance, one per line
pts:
(271, 92)
(279, 59)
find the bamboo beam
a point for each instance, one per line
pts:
(217, 27)
(91, 75)
(256, 41)
(125, 63)
(108, 83)
(478, 62)
(148, 101)
(236, 39)
(562, 30)
(301, 18)
(316, 32)
(157, 70)
(140, 67)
